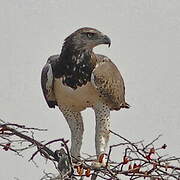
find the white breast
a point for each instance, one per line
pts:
(78, 99)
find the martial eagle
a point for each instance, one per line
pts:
(77, 79)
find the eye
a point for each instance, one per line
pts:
(90, 35)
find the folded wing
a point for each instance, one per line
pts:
(47, 82)
(109, 83)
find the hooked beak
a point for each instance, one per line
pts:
(106, 40)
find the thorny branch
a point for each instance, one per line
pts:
(137, 160)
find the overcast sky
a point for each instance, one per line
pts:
(145, 47)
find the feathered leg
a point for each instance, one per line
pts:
(75, 122)
(102, 113)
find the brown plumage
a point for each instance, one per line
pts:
(109, 83)
(78, 78)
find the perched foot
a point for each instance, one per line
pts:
(76, 160)
(100, 162)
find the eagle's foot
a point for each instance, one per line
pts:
(100, 162)
(76, 160)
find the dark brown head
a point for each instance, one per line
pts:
(87, 38)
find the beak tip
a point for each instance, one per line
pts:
(107, 40)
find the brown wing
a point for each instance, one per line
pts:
(109, 83)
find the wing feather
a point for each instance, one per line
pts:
(47, 82)
(109, 83)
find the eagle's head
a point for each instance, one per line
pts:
(86, 39)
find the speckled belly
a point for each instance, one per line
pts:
(78, 99)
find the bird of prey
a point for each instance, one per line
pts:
(77, 79)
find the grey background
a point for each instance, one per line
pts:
(145, 38)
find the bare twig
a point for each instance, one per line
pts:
(139, 160)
